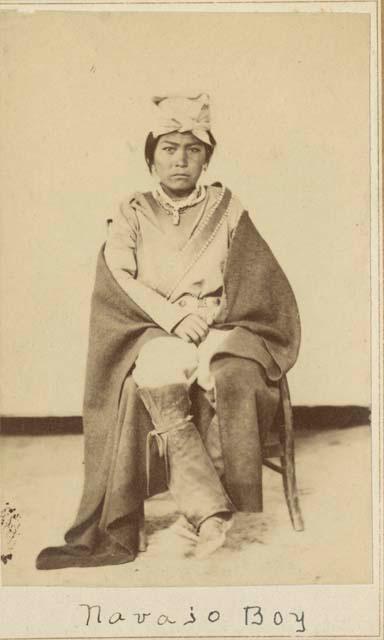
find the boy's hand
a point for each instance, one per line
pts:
(193, 328)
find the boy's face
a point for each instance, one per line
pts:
(178, 160)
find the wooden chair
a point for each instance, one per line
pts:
(285, 450)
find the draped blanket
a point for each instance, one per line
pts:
(258, 304)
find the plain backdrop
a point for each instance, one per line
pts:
(290, 110)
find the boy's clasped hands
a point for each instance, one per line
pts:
(193, 328)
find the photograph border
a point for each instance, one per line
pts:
(59, 600)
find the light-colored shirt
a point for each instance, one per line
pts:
(143, 242)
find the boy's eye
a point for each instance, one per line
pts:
(195, 149)
(169, 149)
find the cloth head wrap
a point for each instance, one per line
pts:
(182, 114)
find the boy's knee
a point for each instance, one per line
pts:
(165, 361)
(240, 373)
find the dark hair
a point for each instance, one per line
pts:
(151, 144)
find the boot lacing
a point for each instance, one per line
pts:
(161, 438)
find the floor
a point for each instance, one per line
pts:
(42, 481)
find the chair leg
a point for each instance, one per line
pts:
(288, 461)
(291, 496)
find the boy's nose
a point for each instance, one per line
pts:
(181, 159)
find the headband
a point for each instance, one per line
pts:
(177, 113)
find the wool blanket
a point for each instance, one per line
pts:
(261, 308)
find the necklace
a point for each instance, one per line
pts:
(175, 207)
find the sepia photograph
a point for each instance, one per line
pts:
(190, 321)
